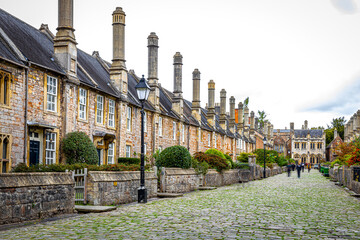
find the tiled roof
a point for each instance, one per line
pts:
(7, 54)
(314, 133)
(31, 42)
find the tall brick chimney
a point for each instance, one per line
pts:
(223, 109)
(240, 116)
(232, 114)
(211, 103)
(65, 50)
(195, 109)
(178, 102)
(252, 123)
(118, 72)
(246, 116)
(306, 125)
(153, 46)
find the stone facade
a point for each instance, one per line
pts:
(70, 90)
(114, 188)
(352, 128)
(331, 153)
(32, 196)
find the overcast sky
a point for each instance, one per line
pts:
(295, 59)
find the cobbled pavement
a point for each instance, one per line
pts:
(279, 207)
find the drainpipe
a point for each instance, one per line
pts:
(28, 64)
(188, 138)
(153, 132)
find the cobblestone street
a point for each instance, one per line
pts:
(279, 207)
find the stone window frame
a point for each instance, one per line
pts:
(128, 118)
(302, 145)
(51, 96)
(111, 153)
(83, 103)
(100, 111)
(5, 152)
(160, 132)
(111, 113)
(174, 130)
(50, 147)
(5, 88)
(127, 150)
(319, 145)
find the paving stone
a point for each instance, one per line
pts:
(279, 207)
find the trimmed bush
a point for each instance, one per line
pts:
(21, 167)
(214, 161)
(215, 152)
(229, 160)
(200, 167)
(78, 148)
(175, 156)
(238, 165)
(244, 157)
(129, 160)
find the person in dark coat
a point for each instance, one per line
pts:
(289, 167)
(303, 167)
(298, 169)
(293, 167)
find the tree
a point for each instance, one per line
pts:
(262, 116)
(339, 124)
(246, 102)
(78, 148)
(317, 128)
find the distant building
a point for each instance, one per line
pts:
(331, 153)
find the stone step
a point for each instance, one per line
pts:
(206, 188)
(169, 195)
(355, 195)
(93, 209)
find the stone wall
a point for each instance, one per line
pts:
(114, 188)
(31, 196)
(177, 180)
(344, 175)
(216, 179)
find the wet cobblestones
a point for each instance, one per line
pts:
(279, 207)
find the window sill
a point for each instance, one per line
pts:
(112, 128)
(5, 106)
(57, 114)
(82, 120)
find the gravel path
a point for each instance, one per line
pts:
(279, 207)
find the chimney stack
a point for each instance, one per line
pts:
(178, 102)
(292, 126)
(306, 125)
(153, 46)
(65, 49)
(118, 72)
(211, 103)
(196, 109)
(232, 114)
(256, 123)
(252, 123)
(246, 116)
(240, 115)
(223, 109)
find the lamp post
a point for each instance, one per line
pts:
(264, 157)
(143, 90)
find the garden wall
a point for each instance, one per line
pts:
(344, 175)
(31, 196)
(114, 188)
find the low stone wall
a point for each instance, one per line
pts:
(344, 175)
(31, 196)
(114, 188)
(177, 180)
(216, 179)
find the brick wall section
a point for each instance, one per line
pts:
(31, 196)
(114, 188)
(12, 117)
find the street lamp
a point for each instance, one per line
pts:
(143, 90)
(264, 140)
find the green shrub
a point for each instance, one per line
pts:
(129, 160)
(229, 160)
(200, 167)
(175, 156)
(336, 161)
(78, 148)
(239, 165)
(244, 157)
(214, 161)
(215, 152)
(21, 167)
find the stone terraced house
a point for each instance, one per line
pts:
(49, 87)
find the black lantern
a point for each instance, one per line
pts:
(143, 90)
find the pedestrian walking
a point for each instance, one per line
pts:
(309, 167)
(289, 167)
(293, 167)
(298, 169)
(303, 167)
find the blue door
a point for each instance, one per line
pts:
(34, 152)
